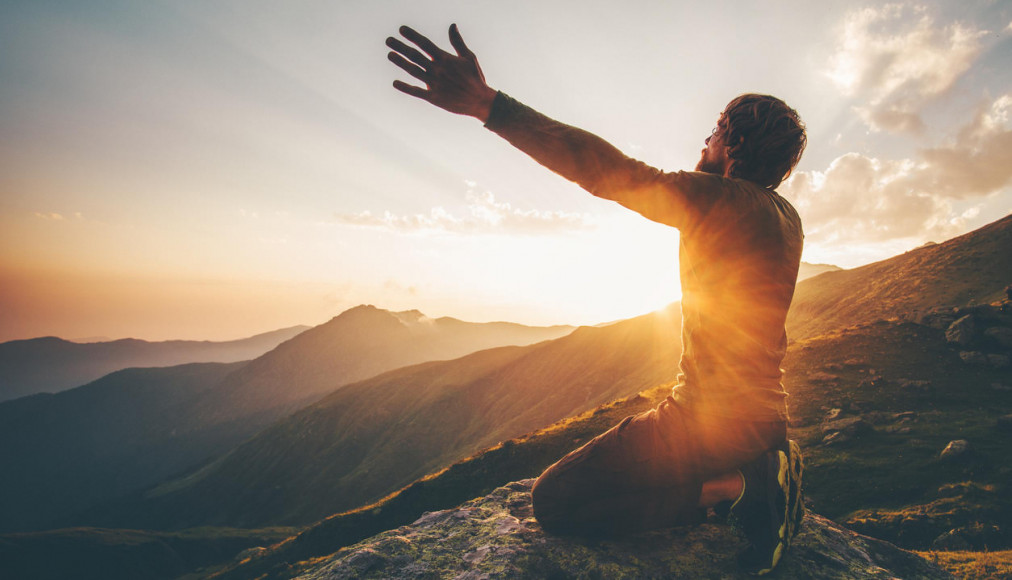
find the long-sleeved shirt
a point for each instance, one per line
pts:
(739, 253)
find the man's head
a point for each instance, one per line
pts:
(758, 138)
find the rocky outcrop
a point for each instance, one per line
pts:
(496, 537)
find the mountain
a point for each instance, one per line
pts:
(51, 365)
(66, 452)
(811, 270)
(972, 268)
(370, 438)
(63, 452)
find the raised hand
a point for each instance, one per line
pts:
(453, 82)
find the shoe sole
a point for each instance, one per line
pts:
(795, 499)
(784, 482)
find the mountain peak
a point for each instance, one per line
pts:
(497, 536)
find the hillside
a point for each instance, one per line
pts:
(972, 268)
(51, 365)
(64, 452)
(70, 451)
(368, 439)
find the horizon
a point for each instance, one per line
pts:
(178, 170)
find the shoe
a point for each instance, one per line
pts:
(761, 511)
(795, 499)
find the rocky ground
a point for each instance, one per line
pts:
(495, 536)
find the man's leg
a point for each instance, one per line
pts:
(638, 475)
(647, 472)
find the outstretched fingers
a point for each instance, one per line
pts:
(408, 52)
(458, 42)
(408, 67)
(423, 43)
(412, 90)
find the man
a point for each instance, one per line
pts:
(720, 439)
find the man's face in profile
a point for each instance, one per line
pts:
(713, 158)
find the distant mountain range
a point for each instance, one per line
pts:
(370, 438)
(66, 452)
(51, 365)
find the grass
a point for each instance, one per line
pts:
(974, 565)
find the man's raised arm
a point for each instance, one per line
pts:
(455, 82)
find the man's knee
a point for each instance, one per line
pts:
(546, 503)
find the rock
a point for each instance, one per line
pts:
(851, 426)
(836, 438)
(473, 548)
(998, 361)
(821, 377)
(962, 331)
(956, 448)
(855, 362)
(1000, 334)
(950, 541)
(918, 386)
(976, 536)
(973, 357)
(938, 319)
(833, 414)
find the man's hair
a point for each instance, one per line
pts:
(765, 138)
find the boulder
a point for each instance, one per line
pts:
(852, 426)
(496, 537)
(956, 448)
(833, 413)
(973, 357)
(962, 331)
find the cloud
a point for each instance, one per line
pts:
(57, 217)
(897, 58)
(861, 199)
(484, 215)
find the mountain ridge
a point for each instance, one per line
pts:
(52, 364)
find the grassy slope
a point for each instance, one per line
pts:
(970, 268)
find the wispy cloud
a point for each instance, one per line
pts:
(57, 217)
(484, 215)
(897, 58)
(861, 199)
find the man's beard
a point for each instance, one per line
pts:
(708, 166)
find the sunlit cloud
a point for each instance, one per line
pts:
(484, 215)
(862, 199)
(897, 58)
(57, 217)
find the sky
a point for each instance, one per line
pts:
(214, 169)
